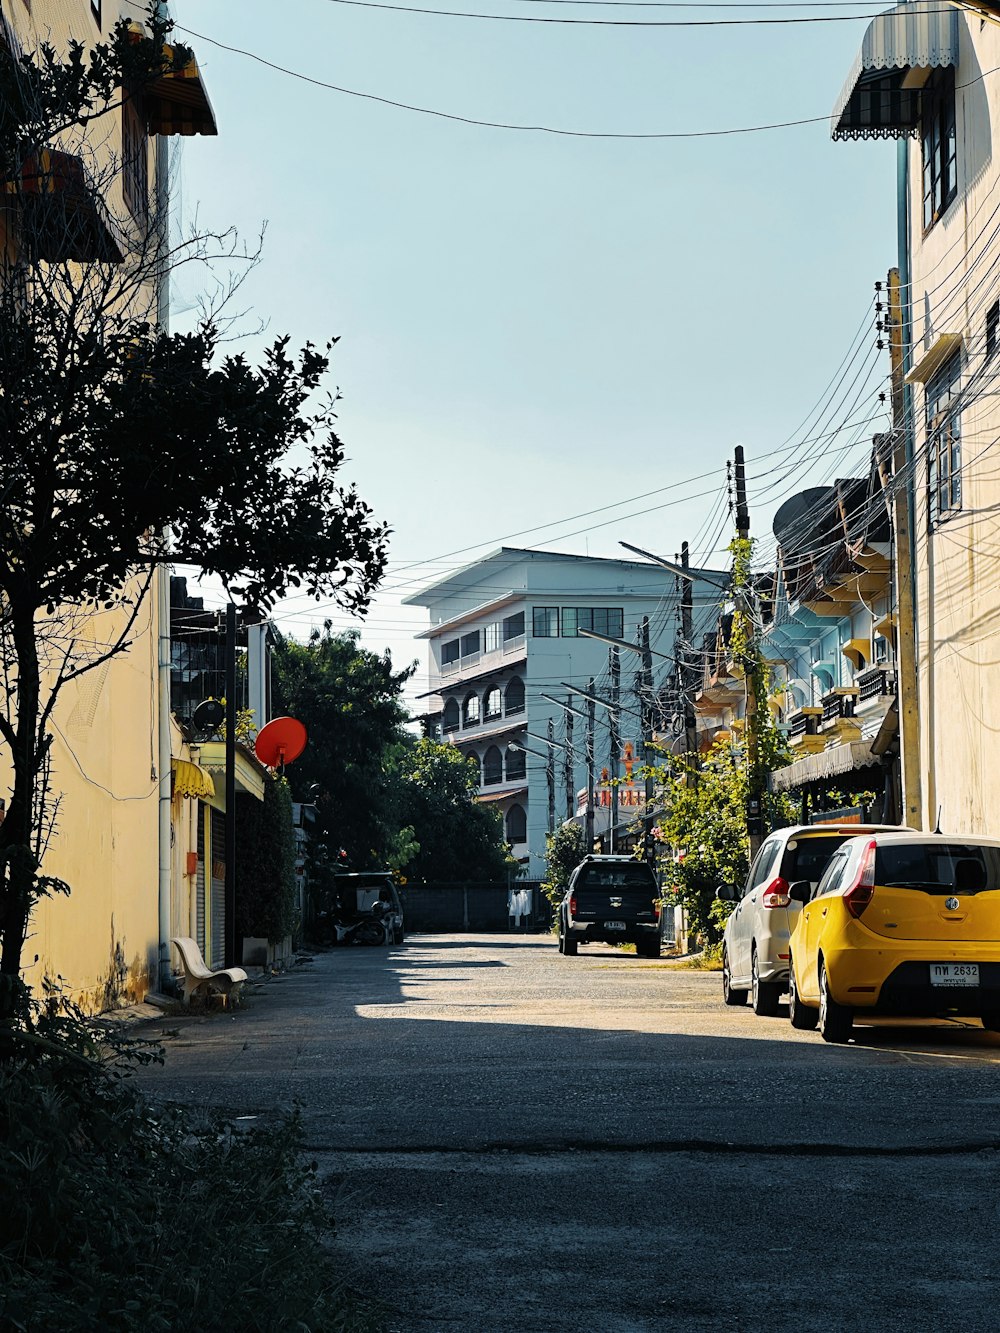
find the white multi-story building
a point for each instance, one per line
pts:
(507, 657)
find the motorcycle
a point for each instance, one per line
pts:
(369, 929)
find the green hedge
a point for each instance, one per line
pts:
(265, 863)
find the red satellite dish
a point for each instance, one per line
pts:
(280, 742)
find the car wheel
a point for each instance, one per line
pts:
(729, 993)
(569, 946)
(398, 935)
(766, 994)
(648, 948)
(803, 1018)
(835, 1020)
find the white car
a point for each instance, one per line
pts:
(755, 943)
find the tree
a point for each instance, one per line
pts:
(265, 863)
(458, 838)
(125, 445)
(349, 700)
(564, 850)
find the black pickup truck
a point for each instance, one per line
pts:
(613, 899)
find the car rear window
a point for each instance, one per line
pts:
(619, 877)
(938, 867)
(808, 857)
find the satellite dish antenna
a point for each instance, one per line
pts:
(797, 515)
(280, 742)
(209, 715)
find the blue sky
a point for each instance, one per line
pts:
(535, 326)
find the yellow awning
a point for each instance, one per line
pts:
(857, 652)
(176, 102)
(886, 627)
(191, 779)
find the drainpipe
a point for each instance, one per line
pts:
(906, 577)
(161, 153)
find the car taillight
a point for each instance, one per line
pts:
(656, 911)
(859, 894)
(572, 905)
(776, 893)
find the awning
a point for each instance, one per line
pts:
(881, 98)
(944, 347)
(176, 102)
(491, 797)
(63, 215)
(826, 670)
(191, 779)
(827, 764)
(857, 652)
(250, 772)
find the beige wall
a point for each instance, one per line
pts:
(102, 941)
(956, 277)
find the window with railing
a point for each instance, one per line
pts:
(944, 440)
(873, 684)
(513, 627)
(492, 767)
(513, 696)
(451, 716)
(450, 652)
(135, 159)
(492, 704)
(938, 142)
(517, 765)
(471, 643)
(517, 824)
(470, 711)
(491, 636)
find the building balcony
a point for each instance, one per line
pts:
(838, 724)
(875, 687)
(804, 735)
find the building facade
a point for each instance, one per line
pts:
(511, 668)
(922, 77)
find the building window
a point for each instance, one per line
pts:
(992, 328)
(450, 716)
(492, 704)
(492, 634)
(517, 765)
(135, 160)
(492, 767)
(471, 644)
(470, 711)
(940, 183)
(608, 620)
(517, 824)
(513, 627)
(944, 440)
(513, 696)
(449, 652)
(545, 622)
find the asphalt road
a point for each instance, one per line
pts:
(514, 1141)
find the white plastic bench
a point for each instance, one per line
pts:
(199, 976)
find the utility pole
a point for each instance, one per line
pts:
(755, 793)
(684, 671)
(231, 959)
(550, 774)
(568, 764)
(648, 850)
(614, 743)
(589, 823)
(902, 523)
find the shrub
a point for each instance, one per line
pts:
(120, 1216)
(265, 863)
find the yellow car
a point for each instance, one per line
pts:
(901, 923)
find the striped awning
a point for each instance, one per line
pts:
(191, 779)
(881, 98)
(176, 101)
(63, 215)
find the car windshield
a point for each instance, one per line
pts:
(808, 857)
(619, 877)
(938, 867)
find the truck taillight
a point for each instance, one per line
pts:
(656, 911)
(859, 894)
(572, 904)
(776, 893)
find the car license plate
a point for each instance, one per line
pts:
(614, 925)
(954, 974)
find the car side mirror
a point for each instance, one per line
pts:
(800, 891)
(726, 893)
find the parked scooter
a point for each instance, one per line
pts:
(368, 929)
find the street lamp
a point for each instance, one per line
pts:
(679, 570)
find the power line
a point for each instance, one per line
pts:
(608, 23)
